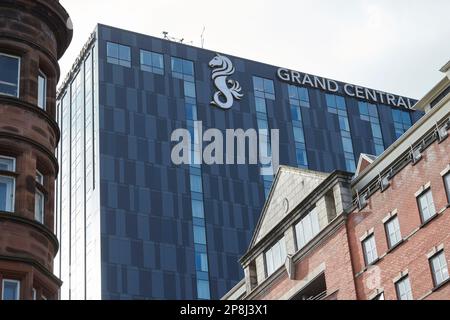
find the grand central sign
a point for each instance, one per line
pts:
(350, 90)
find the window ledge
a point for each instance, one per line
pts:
(441, 285)
(426, 223)
(395, 247)
(9, 173)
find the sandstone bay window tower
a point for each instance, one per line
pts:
(34, 34)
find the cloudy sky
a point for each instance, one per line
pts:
(396, 46)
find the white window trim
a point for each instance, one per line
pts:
(42, 74)
(18, 73)
(12, 281)
(14, 162)
(41, 176)
(11, 202)
(43, 206)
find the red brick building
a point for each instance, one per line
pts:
(381, 234)
(34, 34)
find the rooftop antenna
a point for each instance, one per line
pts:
(202, 37)
(166, 35)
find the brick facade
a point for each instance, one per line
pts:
(419, 239)
(333, 265)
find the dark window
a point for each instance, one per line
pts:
(118, 54)
(42, 90)
(9, 75)
(152, 62)
(447, 185)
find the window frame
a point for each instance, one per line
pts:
(447, 185)
(43, 76)
(13, 170)
(275, 269)
(419, 206)
(389, 242)
(433, 271)
(39, 178)
(151, 68)
(312, 212)
(17, 282)
(19, 66)
(397, 290)
(363, 242)
(120, 61)
(42, 199)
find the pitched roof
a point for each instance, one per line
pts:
(290, 187)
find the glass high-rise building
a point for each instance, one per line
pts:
(133, 225)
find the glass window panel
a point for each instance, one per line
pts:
(191, 111)
(406, 118)
(124, 53)
(301, 157)
(275, 256)
(393, 231)
(188, 68)
(177, 65)
(146, 58)
(427, 207)
(343, 123)
(373, 111)
(196, 183)
(6, 194)
(379, 149)
(439, 268)
(199, 235)
(10, 290)
(293, 92)
(203, 290)
(447, 185)
(7, 164)
(201, 261)
(370, 250)
(363, 108)
(158, 60)
(340, 103)
(347, 144)
(296, 113)
(9, 75)
(42, 91)
(112, 50)
(304, 96)
(404, 289)
(268, 86)
(331, 101)
(298, 135)
(376, 131)
(260, 105)
(39, 206)
(189, 89)
(258, 84)
(397, 115)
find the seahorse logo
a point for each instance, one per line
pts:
(228, 89)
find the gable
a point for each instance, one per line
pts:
(290, 188)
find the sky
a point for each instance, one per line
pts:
(396, 46)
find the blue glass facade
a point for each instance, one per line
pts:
(133, 225)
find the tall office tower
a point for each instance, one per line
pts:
(33, 36)
(135, 225)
